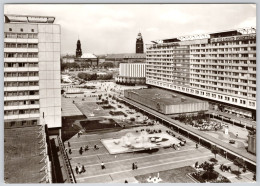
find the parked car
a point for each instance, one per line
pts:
(181, 139)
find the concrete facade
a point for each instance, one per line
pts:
(219, 66)
(32, 72)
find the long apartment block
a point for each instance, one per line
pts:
(32, 93)
(219, 66)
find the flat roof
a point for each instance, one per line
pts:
(15, 18)
(127, 55)
(238, 31)
(166, 97)
(22, 155)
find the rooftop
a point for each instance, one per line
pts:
(22, 155)
(88, 56)
(13, 18)
(224, 33)
(127, 55)
(165, 97)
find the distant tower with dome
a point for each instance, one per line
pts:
(139, 44)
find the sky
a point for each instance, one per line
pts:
(113, 28)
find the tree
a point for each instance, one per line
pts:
(239, 162)
(107, 65)
(215, 150)
(209, 168)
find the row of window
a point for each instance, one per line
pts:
(222, 78)
(21, 55)
(225, 49)
(20, 64)
(21, 74)
(21, 30)
(223, 67)
(23, 111)
(21, 84)
(19, 123)
(21, 36)
(21, 93)
(21, 45)
(23, 102)
(251, 62)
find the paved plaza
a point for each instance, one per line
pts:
(119, 166)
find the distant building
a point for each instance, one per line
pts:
(68, 59)
(32, 90)
(131, 74)
(116, 59)
(87, 58)
(78, 49)
(139, 44)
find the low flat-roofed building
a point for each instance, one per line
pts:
(166, 102)
(131, 74)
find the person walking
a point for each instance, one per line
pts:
(83, 168)
(68, 144)
(77, 170)
(102, 165)
(136, 165)
(133, 166)
(70, 152)
(197, 146)
(237, 135)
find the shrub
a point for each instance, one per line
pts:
(132, 119)
(210, 175)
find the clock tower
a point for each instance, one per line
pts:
(139, 44)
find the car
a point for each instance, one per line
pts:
(232, 141)
(181, 139)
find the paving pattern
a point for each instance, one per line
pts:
(119, 167)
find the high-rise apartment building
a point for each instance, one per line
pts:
(219, 66)
(32, 92)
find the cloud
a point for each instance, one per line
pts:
(177, 17)
(250, 22)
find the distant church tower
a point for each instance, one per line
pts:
(139, 44)
(78, 50)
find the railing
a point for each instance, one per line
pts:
(66, 162)
(230, 152)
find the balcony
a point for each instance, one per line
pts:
(35, 78)
(22, 116)
(21, 88)
(29, 97)
(20, 40)
(19, 107)
(18, 59)
(21, 50)
(21, 69)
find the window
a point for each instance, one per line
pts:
(32, 30)
(21, 30)
(10, 29)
